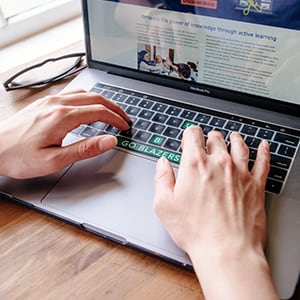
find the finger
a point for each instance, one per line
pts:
(89, 98)
(86, 148)
(192, 143)
(73, 117)
(261, 166)
(164, 185)
(215, 142)
(239, 151)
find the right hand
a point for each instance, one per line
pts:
(214, 210)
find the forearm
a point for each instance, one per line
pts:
(244, 276)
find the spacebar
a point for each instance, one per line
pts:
(148, 150)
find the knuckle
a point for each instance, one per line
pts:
(57, 114)
(85, 150)
(60, 111)
(50, 99)
(195, 162)
(224, 160)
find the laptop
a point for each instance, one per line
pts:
(220, 64)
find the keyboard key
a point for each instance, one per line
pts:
(280, 161)
(176, 122)
(187, 114)
(273, 186)
(122, 105)
(265, 134)
(107, 94)
(171, 132)
(78, 129)
(218, 122)
(132, 110)
(187, 124)
(286, 139)
(287, 150)
(146, 104)
(146, 114)
(160, 118)
(98, 125)
(133, 100)
(202, 118)
(112, 129)
(172, 144)
(252, 153)
(173, 111)
(89, 131)
(206, 129)
(249, 130)
(142, 136)
(233, 126)
(157, 140)
(252, 142)
(159, 107)
(96, 90)
(99, 85)
(128, 133)
(142, 124)
(278, 174)
(273, 146)
(157, 128)
(119, 97)
(133, 120)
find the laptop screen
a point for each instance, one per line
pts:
(246, 49)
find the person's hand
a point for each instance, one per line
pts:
(31, 140)
(214, 210)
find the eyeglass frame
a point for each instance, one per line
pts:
(10, 85)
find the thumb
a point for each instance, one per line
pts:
(164, 185)
(88, 148)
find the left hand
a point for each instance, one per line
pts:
(31, 140)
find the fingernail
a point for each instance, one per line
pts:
(107, 142)
(266, 144)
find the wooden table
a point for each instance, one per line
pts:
(44, 258)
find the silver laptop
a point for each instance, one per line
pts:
(223, 65)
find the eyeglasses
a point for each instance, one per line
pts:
(49, 71)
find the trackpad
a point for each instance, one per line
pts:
(114, 192)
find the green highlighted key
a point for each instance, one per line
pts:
(187, 124)
(157, 140)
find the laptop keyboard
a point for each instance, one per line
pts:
(158, 124)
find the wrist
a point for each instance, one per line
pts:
(234, 275)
